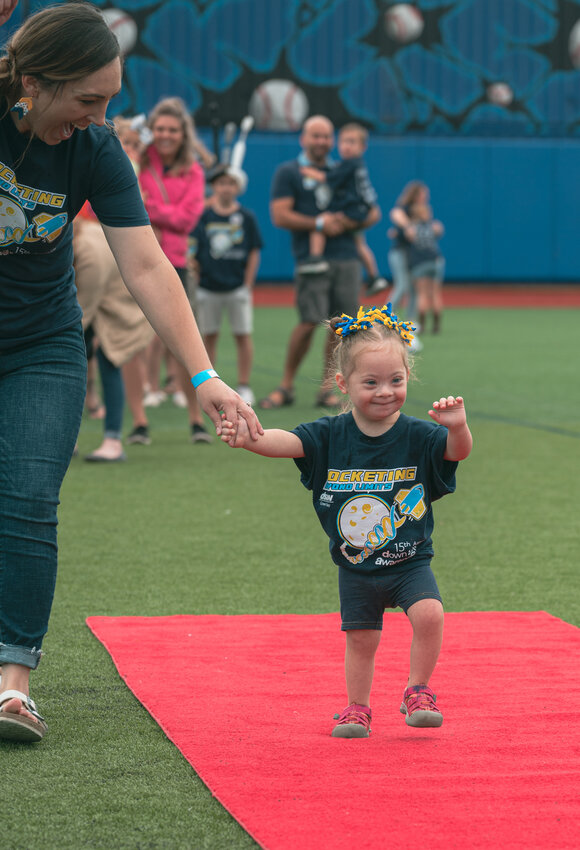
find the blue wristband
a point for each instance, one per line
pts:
(203, 376)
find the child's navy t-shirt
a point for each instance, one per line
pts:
(221, 244)
(373, 495)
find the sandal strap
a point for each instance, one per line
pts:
(28, 703)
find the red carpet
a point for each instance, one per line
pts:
(249, 701)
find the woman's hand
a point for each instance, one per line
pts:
(6, 9)
(216, 398)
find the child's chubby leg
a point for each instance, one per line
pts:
(359, 665)
(418, 706)
(426, 618)
(317, 243)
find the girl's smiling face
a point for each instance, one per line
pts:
(377, 385)
(53, 118)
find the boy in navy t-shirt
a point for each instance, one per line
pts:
(226, 247)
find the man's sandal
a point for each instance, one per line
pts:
(19, 727)
(286, 397)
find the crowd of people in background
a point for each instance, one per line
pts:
(214, 243)
(159, 235)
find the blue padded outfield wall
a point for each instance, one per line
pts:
(478, 98)
(511, 209)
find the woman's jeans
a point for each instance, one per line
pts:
(42, 390)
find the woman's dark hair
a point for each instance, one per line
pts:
(57, 45)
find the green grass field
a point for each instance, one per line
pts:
(184, 529)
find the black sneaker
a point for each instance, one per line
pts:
(199, 434)
(140, 436)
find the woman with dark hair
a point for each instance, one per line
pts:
(58, 73)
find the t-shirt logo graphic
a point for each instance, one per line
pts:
(223, 236)
(17, 223)
(13, 224)
(367, 523)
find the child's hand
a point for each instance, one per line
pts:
(313, 173)
(449, 411)
(239, 440)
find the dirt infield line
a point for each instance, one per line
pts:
(532, 296)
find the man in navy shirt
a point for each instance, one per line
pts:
(300, 205)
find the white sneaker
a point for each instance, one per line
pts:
(379, 284)
(154, 399)
(246, 394)
(179, 399)
(416, 344)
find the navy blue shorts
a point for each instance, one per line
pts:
(363, 598)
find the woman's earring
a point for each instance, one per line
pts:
(23, 107)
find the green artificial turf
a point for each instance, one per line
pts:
(196, 529)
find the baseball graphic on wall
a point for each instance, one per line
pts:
(124, 28)
(500, 94)
(278, 105)
(403, 23)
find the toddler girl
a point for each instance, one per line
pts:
(374, 473)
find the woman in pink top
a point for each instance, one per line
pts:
(173, 186)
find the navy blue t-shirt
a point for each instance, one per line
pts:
(352, 191)
(221, 244)
(424, 247)
(42, 188)
(373, 495)
(310, 198)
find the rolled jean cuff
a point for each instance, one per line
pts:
(20, 655)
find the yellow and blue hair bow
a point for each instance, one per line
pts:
(375, 315)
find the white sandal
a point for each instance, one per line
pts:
(19, 727)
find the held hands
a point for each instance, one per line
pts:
(217, 398)
(450, 412)
(237, 439)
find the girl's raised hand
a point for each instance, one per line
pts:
(449, 411)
